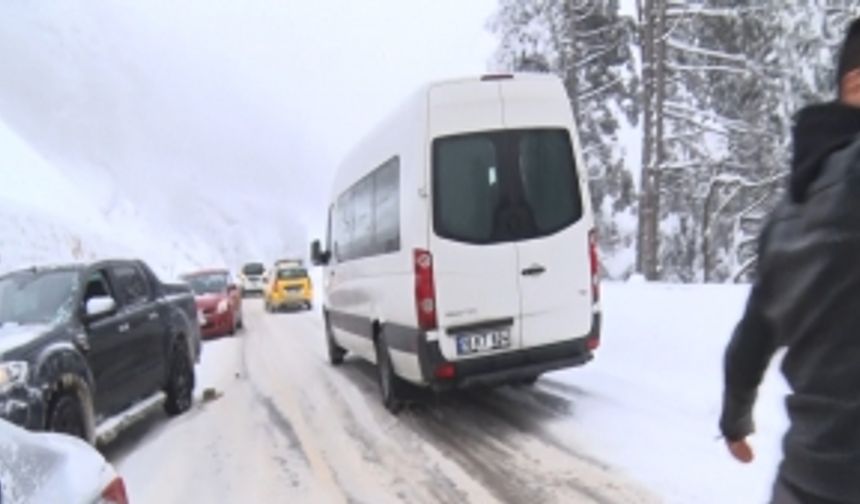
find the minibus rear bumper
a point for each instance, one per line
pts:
(504, 368)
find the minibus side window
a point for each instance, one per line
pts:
(367, 215)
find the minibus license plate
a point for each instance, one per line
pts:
(494, 339)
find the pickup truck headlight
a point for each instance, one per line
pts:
(223, 305)
(12, 373)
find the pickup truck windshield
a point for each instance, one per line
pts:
(36, 297)
(208, 284)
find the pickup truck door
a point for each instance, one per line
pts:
(145, 331)
(104, 347)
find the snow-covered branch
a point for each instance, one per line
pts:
(683, 137)
(744, 268)
(697, 123)
(707, 121)
(682, 10)
(599, 31)
(739, 180)
(687, 48)
(707, 68)
(695, 146)
(597, 55)
(681, 166)
(587, 95)
(745, 213)
(589, 7)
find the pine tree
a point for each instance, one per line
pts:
(794, 56)
(725, 80)
(712, 87)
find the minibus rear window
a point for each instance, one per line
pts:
(467, 188)
(505, 185)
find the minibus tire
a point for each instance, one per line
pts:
(391, 387)
(335, 352)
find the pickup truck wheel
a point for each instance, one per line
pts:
(66, 415)
(391, 386)
(335, 352)
(180, 384)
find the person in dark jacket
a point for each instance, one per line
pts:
(806, 298)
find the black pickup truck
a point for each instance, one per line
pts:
(81, 343)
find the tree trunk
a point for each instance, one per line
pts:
(706, 231)
(659, 129)
(569, 59)
(653, 48)
(646, 40)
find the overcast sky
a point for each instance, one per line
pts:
(333, 68)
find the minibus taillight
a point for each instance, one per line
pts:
(425, 291)
(595, 266)
(446, 371)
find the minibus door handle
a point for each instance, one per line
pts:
(534, 270)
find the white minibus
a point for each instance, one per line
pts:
(461, 247)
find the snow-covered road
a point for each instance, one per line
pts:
(287, 427)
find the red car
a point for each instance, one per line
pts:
(219, 302)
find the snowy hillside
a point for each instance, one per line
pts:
(119, 138)
(46, 218)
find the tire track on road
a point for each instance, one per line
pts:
(398, 462)
(286, 408)
(480, 446)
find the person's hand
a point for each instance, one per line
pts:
(850, 92)
(741, 450)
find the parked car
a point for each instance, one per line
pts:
(218, 300)
(252, 278)
(461, 246)
(81, 343)
(49, 467)
(289, 287)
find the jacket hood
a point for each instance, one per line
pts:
(819, 131)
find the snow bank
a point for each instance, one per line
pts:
(650, 401)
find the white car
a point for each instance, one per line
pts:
(49, 467)
(252, 278)
(461, 247)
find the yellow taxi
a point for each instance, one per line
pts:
(289, 286)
